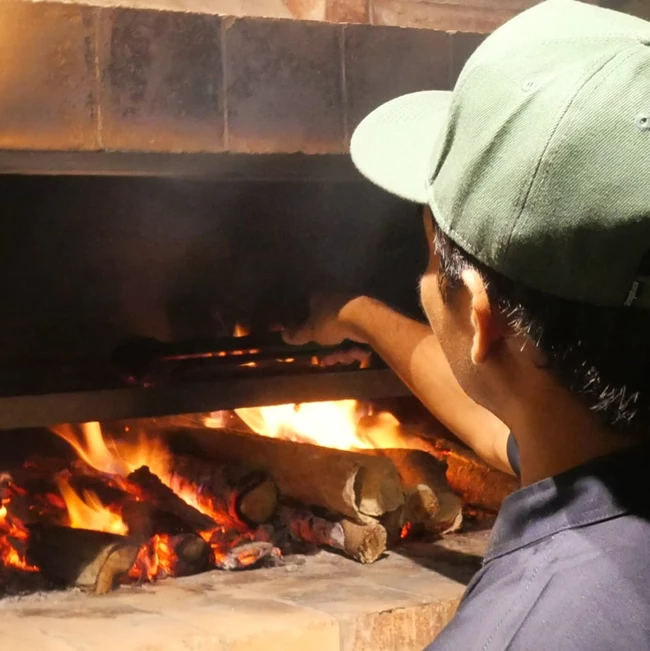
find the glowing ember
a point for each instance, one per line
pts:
(155, 560)
(406, 530)
(340, 425)
(13, 539)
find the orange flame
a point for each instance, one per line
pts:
(240, 330)
(337, 424)
(120, 458)
(112, 458)
(155, 560)
(89, 512)
(13, 535)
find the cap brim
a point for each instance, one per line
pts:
(393, 146)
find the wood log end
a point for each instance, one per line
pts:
(364, 542)
(117, 563)
(257, 506)
(378, 488)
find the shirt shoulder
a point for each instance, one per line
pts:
(597, 596)
(584, 589)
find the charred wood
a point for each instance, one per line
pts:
(153, 490)
(92, 560)
(192, 554)
(145, 520)
(246, 555)
(364, 542)
(247, 495)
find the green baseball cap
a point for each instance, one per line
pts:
(538, 162)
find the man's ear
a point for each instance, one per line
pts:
(484, 322)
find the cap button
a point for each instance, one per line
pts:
(642, 121)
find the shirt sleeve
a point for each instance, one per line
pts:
(512, 450)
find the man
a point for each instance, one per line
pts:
(537, 174)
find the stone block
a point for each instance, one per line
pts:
(162, 81)
(284, 87)
(407, 629)
(383, 63)
(48, 80)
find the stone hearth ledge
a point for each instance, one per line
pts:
(327, 603)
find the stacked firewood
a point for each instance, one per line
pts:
(359, 503)
(240, 500)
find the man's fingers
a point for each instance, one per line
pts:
(346, 357)
(297, 337)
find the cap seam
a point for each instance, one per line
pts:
(446, 226)
(523, 200)
(607, 70)
(451, 232)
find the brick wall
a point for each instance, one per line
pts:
(83, 78)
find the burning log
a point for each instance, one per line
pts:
(420, 506)
(477, 483)
(364, 542)
(245, 556)
(430, 501)
(470, 477)
(145, 520)
(179, 555)
(193, 554)
(153, 490)
(92, 560)
(349, 483)
(247, 495)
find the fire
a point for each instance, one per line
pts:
(120, 458)
(240, 330)
(13, 538)
(406, 530)
(342, 425)
(155, 560)
(89, 512)
(109, 457)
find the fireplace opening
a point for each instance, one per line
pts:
(99, 506)
(295, 492)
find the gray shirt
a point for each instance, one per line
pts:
(567, 568)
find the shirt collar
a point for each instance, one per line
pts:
(602, 489)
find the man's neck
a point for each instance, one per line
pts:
(555, 433)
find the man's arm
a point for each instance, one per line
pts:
(413, 351)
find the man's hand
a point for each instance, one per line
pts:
(328, 324)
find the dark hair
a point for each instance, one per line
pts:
(600, 354)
